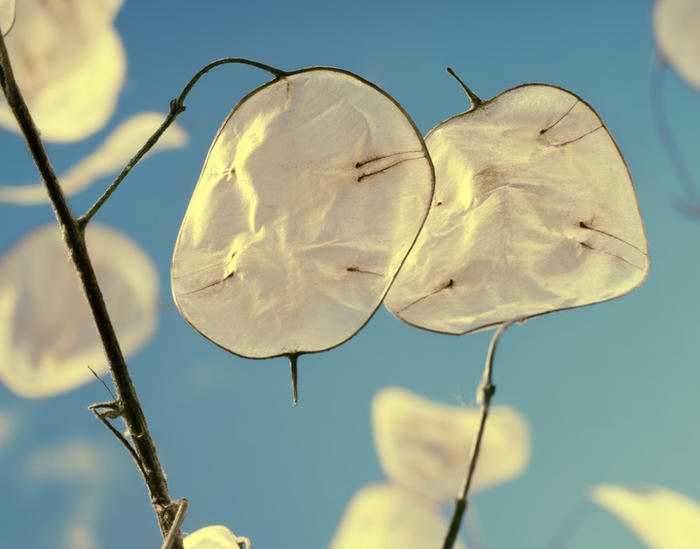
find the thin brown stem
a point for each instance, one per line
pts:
(177, 107)
(487, 389)
(74, 237)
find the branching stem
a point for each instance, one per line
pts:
(177, 107)
(487, 389)
(73, 235)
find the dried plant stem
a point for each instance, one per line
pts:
(487, 389)
(177, 107)
(672, 148)
(73, 234)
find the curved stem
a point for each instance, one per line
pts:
(74, 238)
(177, 107)
(664, 129)
(475, 100)
(487, 389)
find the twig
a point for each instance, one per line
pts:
(487, 389)
(121, 438)
(74, 238)
(177, 107)
(177, 522)
(94, 373)
(664, 129)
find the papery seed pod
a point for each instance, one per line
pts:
(47, 334)
(70, 64)
(7, 15)
(677, 31)
(534, 211)
(660, 517)
(214, 537)
(385, 516)
(312, 194)
(422, 444)
(112, 154)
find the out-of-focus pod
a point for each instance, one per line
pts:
(7, 15)
(311, 196)
(424, 445)
(47, 334)
(384, 516)
(661, 518)
(534, 211)
(215, 537)
(677, 32)
(69, 63)
(112, 154)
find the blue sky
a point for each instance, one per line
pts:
(610, 390)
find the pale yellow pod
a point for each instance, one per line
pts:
(312, 194)
(384, 516)
(214, 537)
(111, 155)
(7, 15)
(661, 518)
(534, 211)
(69, 63)
(47, 334)
(677, 31)
(425, 445)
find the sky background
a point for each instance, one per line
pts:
(610, 391)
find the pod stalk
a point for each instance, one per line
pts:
(475, 100)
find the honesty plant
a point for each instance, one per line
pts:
(312, 194)
(47, 335)
(534, 211)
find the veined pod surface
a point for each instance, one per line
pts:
(311, 196)
(677, 31)
(47, 335)
(534, 211)
(386, 516)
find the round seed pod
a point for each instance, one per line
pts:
(47, 335)
(534, 211)
(312, 194)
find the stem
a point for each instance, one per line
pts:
(74, 237)
(487, 389)
(177, 107)
(476, 101)
(662, 125)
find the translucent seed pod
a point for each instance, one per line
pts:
(677, 32)
(422, 444)
(7, 15)
(660, 517)
(111, 155)
(534, 211)
(70, 64)
(311, 196)
(47, 333)
(215, 537)
(384, 516)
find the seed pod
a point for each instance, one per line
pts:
(312, 194)
(7, 15)
(422, 444)
(47, 335)
(677, 32)
(660, 517)
(534, 211)
(385, 516)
